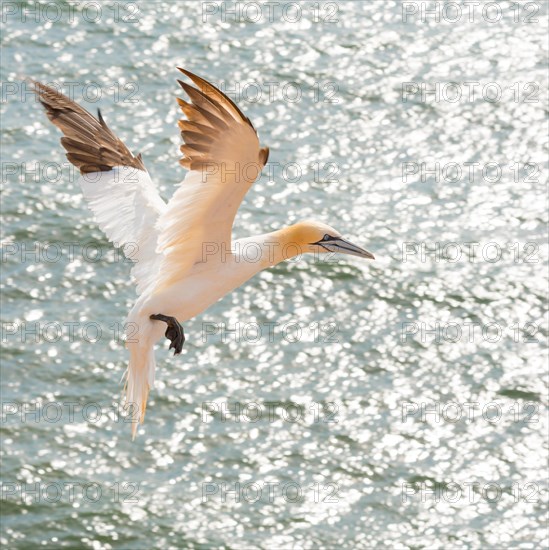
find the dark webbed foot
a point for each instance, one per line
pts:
(174, 332)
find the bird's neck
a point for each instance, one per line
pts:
(272, 248)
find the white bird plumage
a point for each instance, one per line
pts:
(185, 257)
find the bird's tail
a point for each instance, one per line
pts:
(139, 380)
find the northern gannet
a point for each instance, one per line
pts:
(185, 257)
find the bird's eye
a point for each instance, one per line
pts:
(326, 237)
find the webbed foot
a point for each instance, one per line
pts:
(174, 332)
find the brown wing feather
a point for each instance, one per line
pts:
(90, 144)
(210, 114)
(211, 91)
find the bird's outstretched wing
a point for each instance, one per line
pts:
(222, 154)
(115, 183)
(221, 150)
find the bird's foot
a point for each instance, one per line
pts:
(174, 332)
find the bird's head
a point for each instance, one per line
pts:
(316, 237)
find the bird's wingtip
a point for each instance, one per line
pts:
(195, 78)
(184, 71)
(35, 86)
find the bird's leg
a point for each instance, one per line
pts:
(174, 332)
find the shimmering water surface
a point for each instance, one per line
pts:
(332, 449)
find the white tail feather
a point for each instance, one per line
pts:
(139, 381)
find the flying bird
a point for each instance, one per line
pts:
(185, 257)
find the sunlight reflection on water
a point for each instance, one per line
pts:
(368, 351)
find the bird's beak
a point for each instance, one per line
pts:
(345, 247)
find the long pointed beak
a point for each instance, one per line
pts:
(345, 247)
